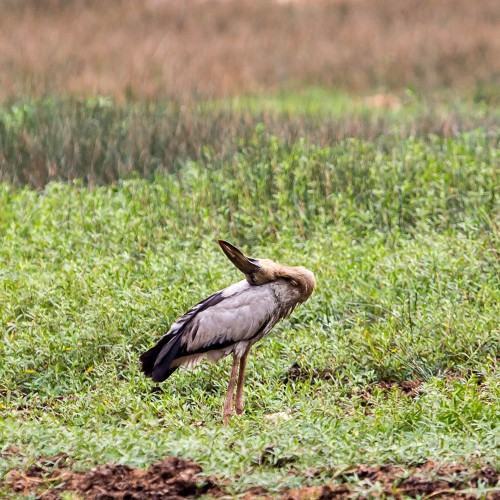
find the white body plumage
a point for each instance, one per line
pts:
(245, 315)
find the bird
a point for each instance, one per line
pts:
(230, 321)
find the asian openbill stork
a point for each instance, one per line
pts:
(231, 321)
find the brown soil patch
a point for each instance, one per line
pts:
(171, 478)
(409, 387)
(175, 478)
(296, 373)
(430, 479)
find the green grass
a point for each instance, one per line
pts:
(310, 101)
(101, 141)
(402, 235)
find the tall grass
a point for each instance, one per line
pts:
(151, 48)
(404, 248)
(99, 141)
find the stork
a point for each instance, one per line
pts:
(231, 320)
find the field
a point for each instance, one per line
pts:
(212, 48)
(393, 360)
(129, 150)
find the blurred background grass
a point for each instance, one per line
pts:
(100, 141)
(100, 91)
(181, 49)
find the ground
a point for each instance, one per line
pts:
(178, 478)
(356, 138)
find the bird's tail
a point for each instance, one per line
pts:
(156, 362)
(148, 359)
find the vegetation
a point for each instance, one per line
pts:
(175, 49)
(359, 139)
(100, 141)
(403, 239)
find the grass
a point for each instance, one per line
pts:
(402, 234)
(156, 49)
(111, 205)
(102, 141)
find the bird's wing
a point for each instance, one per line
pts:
(170, 342)
(243, 313)
(239, 312)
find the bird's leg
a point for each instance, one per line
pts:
(241, 380)
(228, 403)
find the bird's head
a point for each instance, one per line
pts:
(261, 271)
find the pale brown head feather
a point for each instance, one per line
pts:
(298, 276)
(261, 271)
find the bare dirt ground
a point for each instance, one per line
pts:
(176, 478)
(169, 478)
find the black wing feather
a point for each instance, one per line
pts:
(162, 370)
(157, 360)
(149, 357)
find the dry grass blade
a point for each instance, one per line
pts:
(150, 48)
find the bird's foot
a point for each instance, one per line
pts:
(239, 406)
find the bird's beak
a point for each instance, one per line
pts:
(246, 265)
